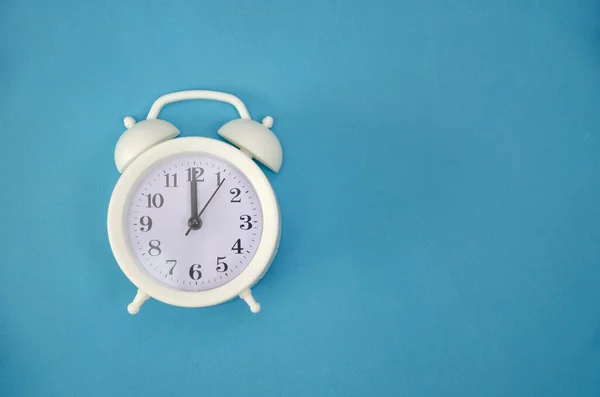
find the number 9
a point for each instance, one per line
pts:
(145, 221)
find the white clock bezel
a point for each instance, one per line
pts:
(123, 251)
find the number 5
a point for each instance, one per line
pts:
(224, 267)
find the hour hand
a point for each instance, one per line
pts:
(194, 198)
(194, 222)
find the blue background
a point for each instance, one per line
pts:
(439, 193)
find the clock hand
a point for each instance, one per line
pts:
(194, 222)
(194, 193)
(206, 205)
(211, 197)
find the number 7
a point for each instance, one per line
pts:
(174, 262)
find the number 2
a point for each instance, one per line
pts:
(236, 194)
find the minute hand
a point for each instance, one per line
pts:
(209, 200)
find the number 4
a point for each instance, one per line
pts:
(237, 247)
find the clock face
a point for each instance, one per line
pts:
(194, 222)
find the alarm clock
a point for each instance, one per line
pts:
(193, 221)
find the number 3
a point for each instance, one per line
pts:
(246, 225)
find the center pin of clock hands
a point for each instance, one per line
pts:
(195, 222)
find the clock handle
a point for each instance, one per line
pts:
(246, 295)
(198, 94)
(138, 301)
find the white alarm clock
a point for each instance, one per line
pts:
(193, 221)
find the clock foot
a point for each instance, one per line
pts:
(138, 301)
(246, 295)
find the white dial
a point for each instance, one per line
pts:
(194, 236)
